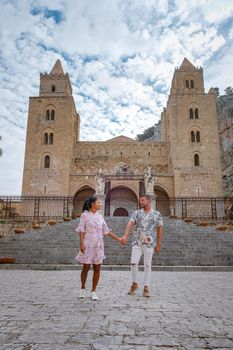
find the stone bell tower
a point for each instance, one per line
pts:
(52, 130)
(190, 129)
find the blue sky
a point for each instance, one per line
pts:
(120, 56)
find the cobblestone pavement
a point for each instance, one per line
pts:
(187, 310)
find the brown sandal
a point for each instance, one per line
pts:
(133, 288)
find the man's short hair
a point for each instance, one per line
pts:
(147, 196)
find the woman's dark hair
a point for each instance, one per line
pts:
(88, 202)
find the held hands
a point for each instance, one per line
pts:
(123, 240)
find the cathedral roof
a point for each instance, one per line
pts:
(186, 64)
(121, 138)
(57, 68)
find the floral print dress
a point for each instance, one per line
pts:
(94, 228)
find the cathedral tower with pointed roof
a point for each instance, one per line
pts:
(53, 128)
(56, 83)
(189, 127)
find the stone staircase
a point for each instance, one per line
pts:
(183, 244)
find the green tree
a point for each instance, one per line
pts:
(146, 134)
(228, 91)
(217, 91)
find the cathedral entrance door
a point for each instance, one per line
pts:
(120, 212)
(122, 201)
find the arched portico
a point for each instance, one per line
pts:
(120, 212)
(79, 198)
(162, 201)
(120, 200)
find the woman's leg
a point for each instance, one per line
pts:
(96, 276)
(84, 274)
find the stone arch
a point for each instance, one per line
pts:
(121, 196)
(193, 111)
(189, 81)
(162, 201)
(79, 198)
(49, 112)
(196, 159)
(120, 212)
(47, 131)
(195, 134)
(44, 161)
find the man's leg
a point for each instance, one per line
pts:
(135, 258)
(148, 254)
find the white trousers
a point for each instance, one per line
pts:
(135, 258)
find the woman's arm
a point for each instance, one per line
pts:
(82, 246)
(113, 236)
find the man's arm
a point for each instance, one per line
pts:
(159, 239)
(127, 232)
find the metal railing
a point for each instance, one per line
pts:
(57, 207)
(35, 207)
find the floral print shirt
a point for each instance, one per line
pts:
(145, 227)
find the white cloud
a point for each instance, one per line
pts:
(120, 56)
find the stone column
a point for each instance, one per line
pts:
(153, 200)
(149, 179)
(101, 197)
(100, 187)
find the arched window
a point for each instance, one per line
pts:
(196, 160)
(52, 114)
(196, 113)
(46, 138)
(192, 136)
(195, 136)
(47, 114)
(189, 83)
(47, 162)
(53, 88)
(51, 138)
(190, 113)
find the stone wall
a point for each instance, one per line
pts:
(225, 122)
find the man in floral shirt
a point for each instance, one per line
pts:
(145, 241)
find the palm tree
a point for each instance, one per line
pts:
(1, 151)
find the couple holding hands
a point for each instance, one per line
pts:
(147, 238)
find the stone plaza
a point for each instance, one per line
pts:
(187, 310)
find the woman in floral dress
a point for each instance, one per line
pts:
(92, 228)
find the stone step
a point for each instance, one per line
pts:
(183, 244)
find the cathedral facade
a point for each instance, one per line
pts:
(184, 163)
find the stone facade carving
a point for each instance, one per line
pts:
(100, 182)
(149, 181)
(225, 121)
